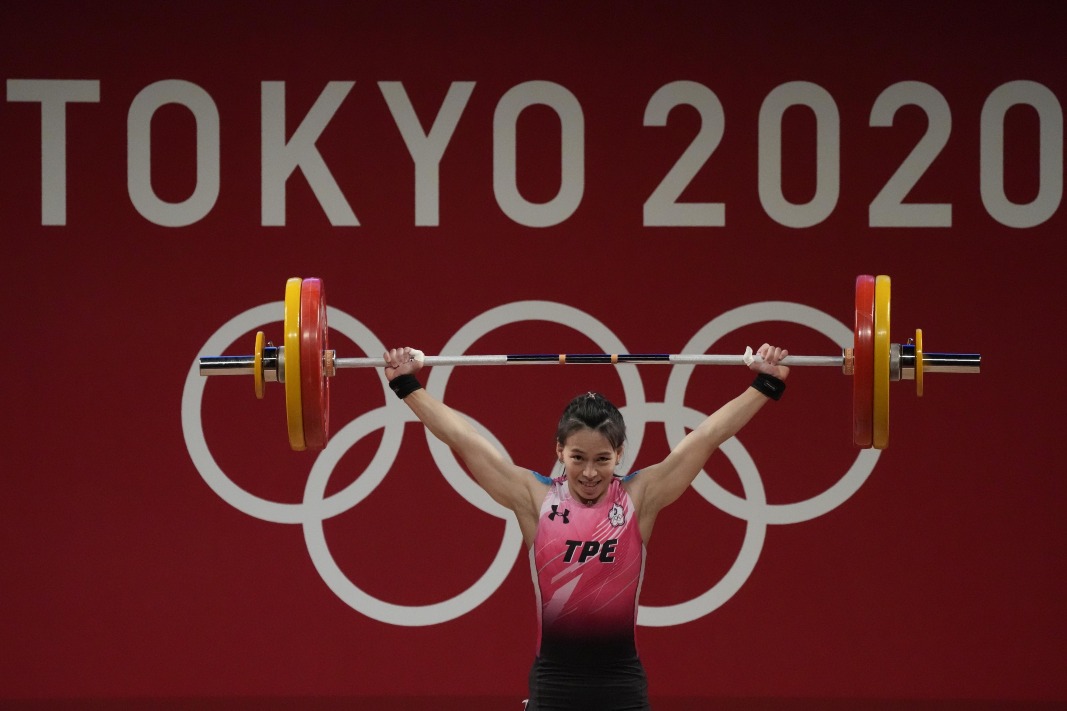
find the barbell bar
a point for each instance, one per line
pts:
(873, 362)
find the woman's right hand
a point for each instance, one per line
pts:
(401, 361)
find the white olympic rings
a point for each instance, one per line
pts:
(316, 507)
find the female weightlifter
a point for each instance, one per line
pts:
(586, 529)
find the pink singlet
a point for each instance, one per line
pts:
(587, 564)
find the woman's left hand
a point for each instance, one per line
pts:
(768, 363)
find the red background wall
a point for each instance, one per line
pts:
(126, 575)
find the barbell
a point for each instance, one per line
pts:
(304, 362)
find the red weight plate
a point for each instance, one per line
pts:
(314, 385)
(863, 374)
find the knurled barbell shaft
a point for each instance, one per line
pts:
(593, 359)
(243, 364)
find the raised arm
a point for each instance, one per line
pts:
(508, 484)
(661, 484)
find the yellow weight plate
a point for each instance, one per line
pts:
(881, 361)
(293, 408)
(257, 366)
(919, 362)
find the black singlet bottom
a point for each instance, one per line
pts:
(620, 685)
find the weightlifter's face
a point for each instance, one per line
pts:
(589, 462)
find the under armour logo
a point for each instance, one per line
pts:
(556, 512)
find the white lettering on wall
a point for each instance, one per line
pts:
(572, 154)
(139, 153)
(281, 157)
(53, 95)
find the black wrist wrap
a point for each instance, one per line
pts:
(769, 385)
(404, 385)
